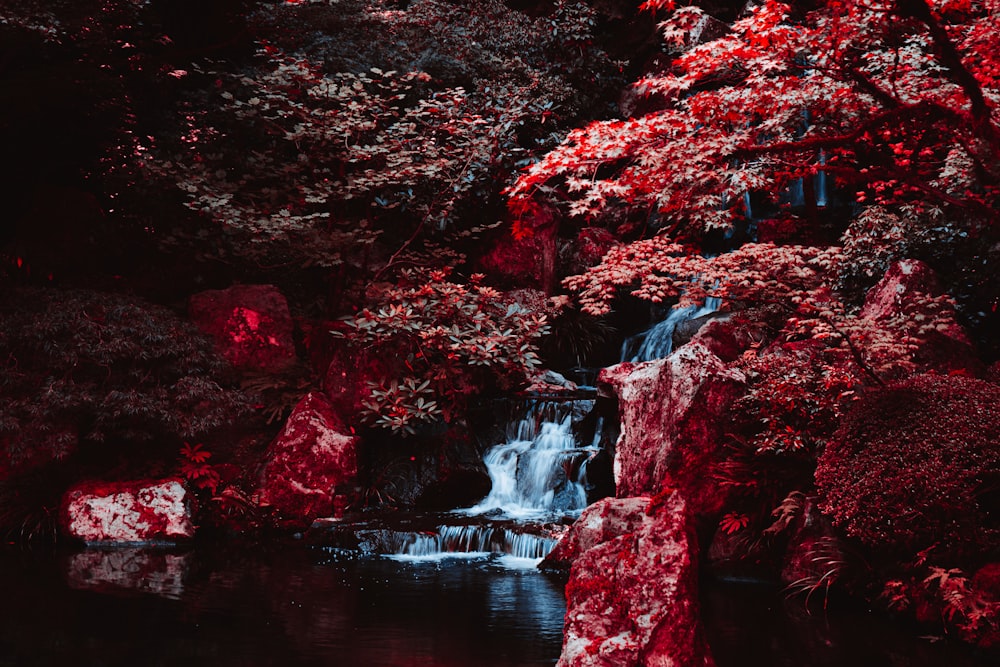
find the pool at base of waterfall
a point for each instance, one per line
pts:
(291, 605)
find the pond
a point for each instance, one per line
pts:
(288, 607)
(293, 606)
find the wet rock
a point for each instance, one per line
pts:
(127, 512)
(251, 325)
(673, 412)
(310, 462)
(604, 520)
(633, 599)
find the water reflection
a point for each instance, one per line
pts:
(756, 626)
(284, 607)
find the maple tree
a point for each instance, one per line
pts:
(893, 100)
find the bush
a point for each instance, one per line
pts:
(87, 366)
(916, 466)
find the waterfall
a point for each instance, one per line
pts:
(476, 540)
(538, 476)
(532, 473)
(657, 342)
(821, 182)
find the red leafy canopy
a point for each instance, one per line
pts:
(895, 99)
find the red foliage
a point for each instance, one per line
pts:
(890, 98)
(913, 466)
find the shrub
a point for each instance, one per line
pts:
(447, 341)
(916, 465)
(88, 366)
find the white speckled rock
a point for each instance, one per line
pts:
(127, 512)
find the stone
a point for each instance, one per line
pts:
(127, 512)
(905, 278)
(309, 463)
(600, 522)
(899, 294)
(632, 599)
(673, 413)
(250, 324)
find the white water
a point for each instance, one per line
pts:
(657, 342)
(475, 542)
(536, 475)
(531, 472)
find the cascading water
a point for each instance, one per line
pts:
(657, 342)
(532, 473)
(538, 478)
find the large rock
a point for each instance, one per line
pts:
(604, 520)
(901, 282)
(309, 463)
(127, 512)
(251, 325)
(632, 599)
(903, 294)
(673, 413)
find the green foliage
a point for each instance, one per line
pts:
(448, 341)
(196, 469)
(81, 365)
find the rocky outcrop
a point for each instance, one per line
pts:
(904, 293)
(673, 412)
(632, 598)
(309, 464)
(604, 520)
(127, 512)
(251, 325)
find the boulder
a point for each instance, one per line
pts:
(632, 599)
(673, 413)
(888, 297)
(127, 512)
(602, 521)
(251, 325)
(903, 294)
(309, 463)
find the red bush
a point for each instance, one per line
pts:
(916, 466)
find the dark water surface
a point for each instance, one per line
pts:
(294, 606)
(291, 607)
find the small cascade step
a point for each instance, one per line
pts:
(478, 539)
(422, 536)
(657, 342)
